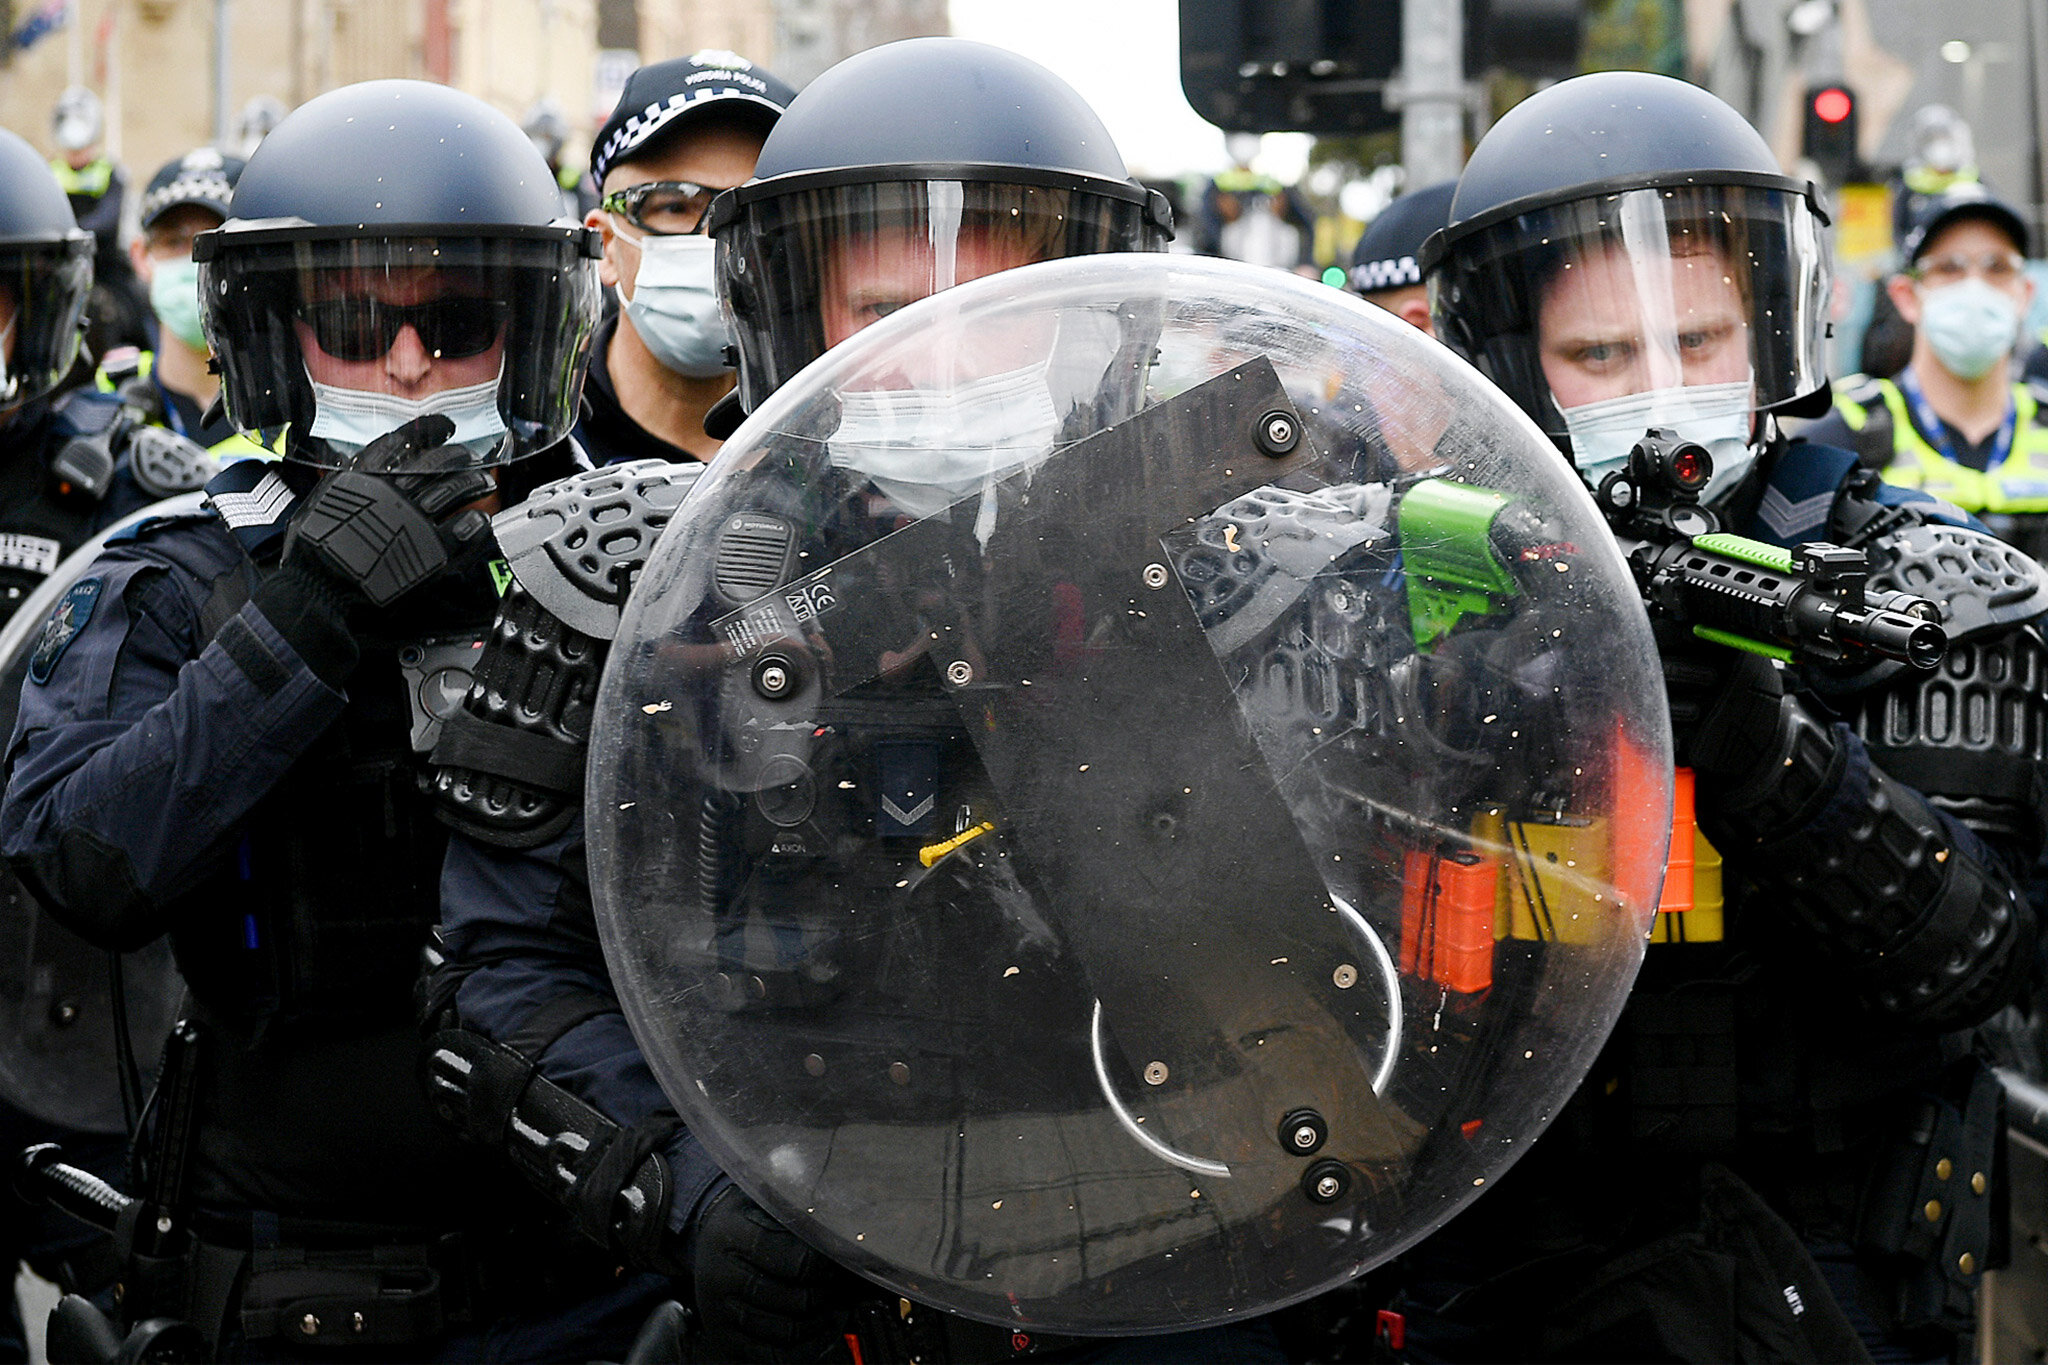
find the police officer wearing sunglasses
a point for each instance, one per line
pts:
(225, 732)
(683, 130)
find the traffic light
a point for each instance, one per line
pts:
(1322, 66)
(1830, 140)
(1312, 66)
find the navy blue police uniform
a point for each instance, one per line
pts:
(298, 883)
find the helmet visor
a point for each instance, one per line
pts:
(43, 289)
(1651, 291)
(342, 341)
(804, 270)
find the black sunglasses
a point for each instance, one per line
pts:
(363, 329)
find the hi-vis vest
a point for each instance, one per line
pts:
(92, 180)
(1877, 412)
(234, 447)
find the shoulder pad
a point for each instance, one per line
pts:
(1981, 582)
(578, 543)
(164, 463)
(86, 411)
(1860, 389)
(1253, 558)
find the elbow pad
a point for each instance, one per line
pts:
(611, 1180)
(1907, 905)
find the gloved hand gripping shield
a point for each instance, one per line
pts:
(1172, 859)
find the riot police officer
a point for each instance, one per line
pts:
(224, 727)
(70, 469)
(1623, 255)
(899, 173)
(97, 189)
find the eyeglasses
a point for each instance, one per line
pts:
(364, 329)
(2001, 268)
(667, 208)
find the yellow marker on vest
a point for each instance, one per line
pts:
(931, 853)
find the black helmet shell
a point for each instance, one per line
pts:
(870, 143)
(1619, 129)
(34, 208)
(940, 102)
(397, 154)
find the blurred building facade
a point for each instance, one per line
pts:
(153, 61)
(811, 35)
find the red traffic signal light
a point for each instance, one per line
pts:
(1833, 104)
(1830, 137)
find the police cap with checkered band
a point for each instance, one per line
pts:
(662, 99)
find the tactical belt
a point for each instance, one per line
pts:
(319, 1283)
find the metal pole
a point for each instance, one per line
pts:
(2037, 86)
(1432, 90)
(74, 44)
(220, 72)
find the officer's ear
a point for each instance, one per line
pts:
(1415, 312)
(138, 256)
(607, 271)
(1904, 296)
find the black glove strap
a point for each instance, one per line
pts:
(311, 611)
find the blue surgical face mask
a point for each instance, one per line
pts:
(349, 419)
(674, 306)
(174, 295)
(1971, 325)
(1717, 416)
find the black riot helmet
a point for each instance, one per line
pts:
(45, 275)
(395, 249)
(1627, 241)
(909, 168)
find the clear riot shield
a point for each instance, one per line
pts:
(58, 1059)
(1130, 791)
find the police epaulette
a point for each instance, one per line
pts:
(1861, 389)
(2039, 389)
(143, 526)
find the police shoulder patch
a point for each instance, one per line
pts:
(73, 611)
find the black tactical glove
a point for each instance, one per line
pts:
(1727, 707)
(763, 1294)
(381, 534)
(367, 536)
